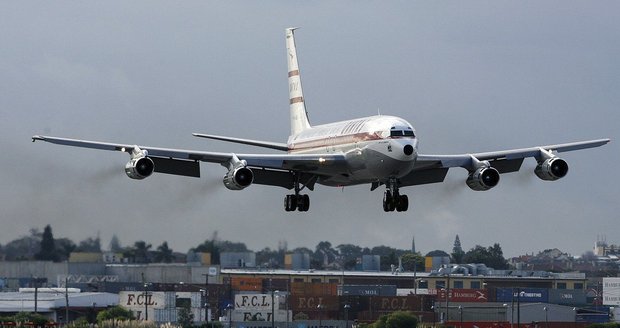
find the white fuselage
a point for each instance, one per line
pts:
(377, 148)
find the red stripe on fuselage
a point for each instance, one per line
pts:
(334, 141)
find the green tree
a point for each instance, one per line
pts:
(64, 247)
(114, 313)
(185, 317)
(413, 262)
(115, 244)
(37, 319)
(47, 251)
(349, 254)
(401, 319)
(491, 256)
(457, 251)
(90, 245)
(164, 253)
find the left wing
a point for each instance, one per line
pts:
(271, 169)
(433, 168)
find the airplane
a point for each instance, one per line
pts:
(377, 150)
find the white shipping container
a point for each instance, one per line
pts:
(252, 315)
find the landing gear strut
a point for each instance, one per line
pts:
(393, 200)
(296, 201)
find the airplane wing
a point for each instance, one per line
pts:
(269, 169)
(434, 168)
(251, 142)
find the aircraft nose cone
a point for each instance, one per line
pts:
(408, 150)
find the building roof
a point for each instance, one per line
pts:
(51, 301)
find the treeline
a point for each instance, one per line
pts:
(45, 247)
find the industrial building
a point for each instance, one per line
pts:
(467, 293)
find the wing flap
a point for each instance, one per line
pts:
(176, 166)
(426, 176)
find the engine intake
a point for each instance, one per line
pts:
(483, 178)
(139, 168)
(238, 178)
(551, 169)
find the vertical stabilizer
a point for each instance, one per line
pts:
(299, 117)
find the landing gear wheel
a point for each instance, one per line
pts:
(403, 203)
(388, 201)
(303, 203)
(290, 203)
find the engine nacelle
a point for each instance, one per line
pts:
(551, 169)
(483, 178)
(139, 168)
(238, 178)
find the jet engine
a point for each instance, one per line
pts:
(551, 169)
(483, 178)
(239, 176)
(139, 166)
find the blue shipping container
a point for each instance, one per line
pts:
(526, 295)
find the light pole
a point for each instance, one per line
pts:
(546, 317)
(320, 307)
(346, 315)
(229, 307)
(146, 302)
(461, 316)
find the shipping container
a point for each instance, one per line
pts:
(269, 285)
(247, 284)
(571, 297)
(165, 315)
(463, 295)
(313, 289)
(311, 303)
(367, 290)
(525, 295)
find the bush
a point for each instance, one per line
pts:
(398, 319)
(114, 313)
(36, 319)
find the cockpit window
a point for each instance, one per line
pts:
(401, 133)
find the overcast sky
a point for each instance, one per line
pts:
(469, 76)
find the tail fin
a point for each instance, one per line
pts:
(299, 116)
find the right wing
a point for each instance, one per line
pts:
(434, 168)
(269, 169)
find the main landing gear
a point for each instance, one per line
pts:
(296, 201)
(393, 200)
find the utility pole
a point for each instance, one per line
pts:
(66, 300)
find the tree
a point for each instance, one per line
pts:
(115, 244)
(186, 317)
(401, 319)
(413, 262)
(349, 254)
(89, 245)
(114, 313)
(457, 251)
(398, 319)
(47, 251)
(164, 253)
(24, 248)
(491, 256)
(64, 247)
